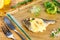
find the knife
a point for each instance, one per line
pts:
(11, 26)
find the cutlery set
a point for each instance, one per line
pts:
(7, 32)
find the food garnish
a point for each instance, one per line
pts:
(48, 4)
(50, 8)
(55, 32)
(18, 4)
(28, 0)
(58, 11)
(35, 10)
(1, 4)
(57, 4)
(21, 3)
(37, 24)
(4, 3)
(7, 2)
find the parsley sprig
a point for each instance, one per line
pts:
(21, 3)
(55, 32)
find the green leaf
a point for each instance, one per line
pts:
(36, 10)
(28, 0)
(47, 4)
(55, 32)
(59, 29)
(56, 3)
(21, 3)
(58, 11)
(52, 35)
(52, 10)
(13, 6)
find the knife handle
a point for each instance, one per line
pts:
(19, 35)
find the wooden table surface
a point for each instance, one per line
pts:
(35, 36)
(2, 35)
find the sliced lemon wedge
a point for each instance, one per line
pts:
(1, 4)
(7, 2)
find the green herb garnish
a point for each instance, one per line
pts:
(28, 0)
(58, 11)
(18, 4)
(35, 10)
(21, 3)
(47, 4)
(56, 3)
(50, 8)
(54, 33)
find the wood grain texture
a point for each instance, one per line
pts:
(2, 35)
(45, 35)
(22, 14)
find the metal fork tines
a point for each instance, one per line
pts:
(7, 32)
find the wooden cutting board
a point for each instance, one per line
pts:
(21, 14)
(45, 35)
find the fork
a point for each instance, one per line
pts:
(11, 26)
(7, 32)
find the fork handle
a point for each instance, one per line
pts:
(19, 35)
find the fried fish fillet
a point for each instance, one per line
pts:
(37, 24)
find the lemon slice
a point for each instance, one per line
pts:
(1, 4)
(7, 2)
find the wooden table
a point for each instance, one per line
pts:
(35, 36)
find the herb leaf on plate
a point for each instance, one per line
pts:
(56, 3)
(35, 10)
(50, 8)
(55, 33)
(21, 3)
